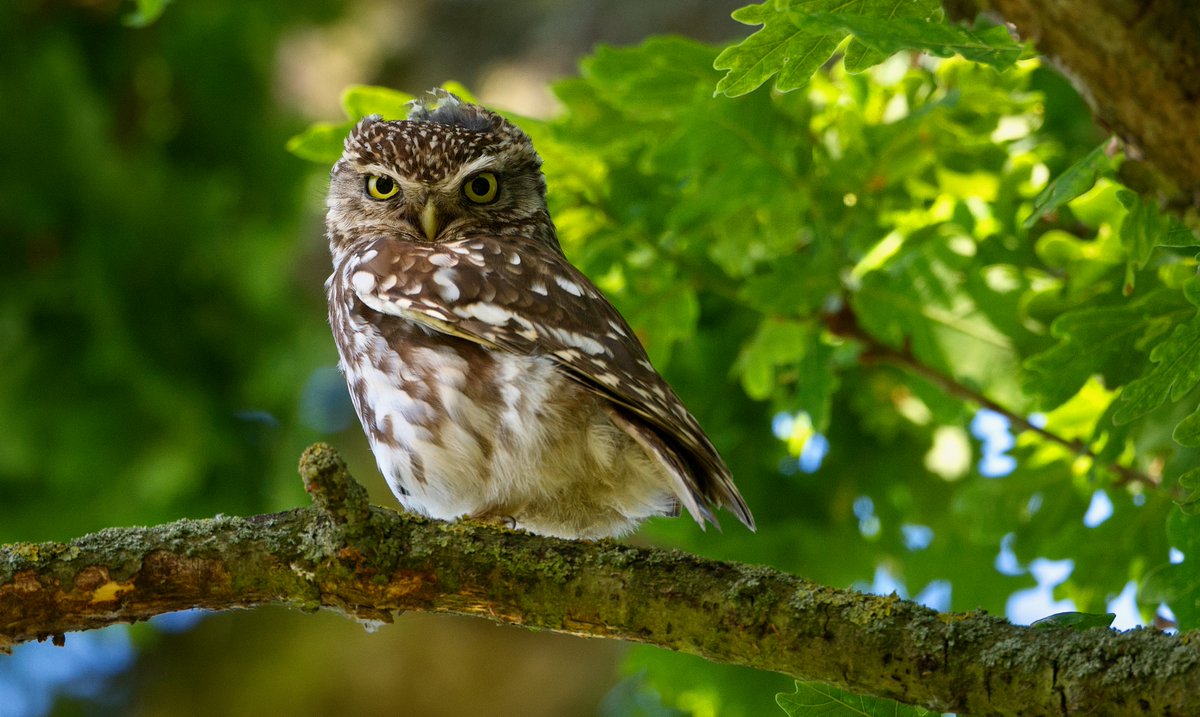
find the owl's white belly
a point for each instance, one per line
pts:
(498, 435)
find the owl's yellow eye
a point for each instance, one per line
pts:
(381, 187)
(481, 188)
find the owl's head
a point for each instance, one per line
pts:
(449, 171)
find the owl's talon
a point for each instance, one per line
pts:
(494, 521)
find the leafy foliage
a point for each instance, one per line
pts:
(836, 279)
(799, 36)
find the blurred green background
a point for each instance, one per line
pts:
(164, 351)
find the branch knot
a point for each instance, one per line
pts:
(333, 490)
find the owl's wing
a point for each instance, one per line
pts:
(523, 297)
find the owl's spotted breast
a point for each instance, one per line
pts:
(461, 430)
(492, 378)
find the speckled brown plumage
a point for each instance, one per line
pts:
(492, 378)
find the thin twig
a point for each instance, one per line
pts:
(845, 324)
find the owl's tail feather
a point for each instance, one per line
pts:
(732, 499)
(689, 494)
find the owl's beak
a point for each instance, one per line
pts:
(429, 219)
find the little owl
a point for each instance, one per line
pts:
(493, 380)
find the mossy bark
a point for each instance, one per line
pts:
(372, 564)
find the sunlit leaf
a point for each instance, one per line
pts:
(793, 49)
(889, 35)
(358, 101)
(321, 142)
(1077, 179)
(1176, 371)
(460, 90)
(146, 13)
(1102, 340)
(779, 48)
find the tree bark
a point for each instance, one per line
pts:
(1137, 62)
(372, 564)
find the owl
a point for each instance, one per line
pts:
(492, 378)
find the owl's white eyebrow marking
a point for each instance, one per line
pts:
(379, 169)
(475, 165)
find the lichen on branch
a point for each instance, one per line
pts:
(371, 563)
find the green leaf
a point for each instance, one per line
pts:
(659, 79)
(1075, 181)
(860, 55)
(321, 142)
(1074, 620)
(1177, 584)
(794, 48)
(664, 315)
(146, 13)
(1178, 235)
(358, 101)
(798, 36)
(1143, 227)
(889, 35)
(779, 48)
(460, 90)
(1189, 483)
(1103, 340)
(794, 284)
(813, 699)
(777, 343)
(915, 299)
(1187, 432)
(1176, 372)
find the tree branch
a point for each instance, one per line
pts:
(370, 564)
